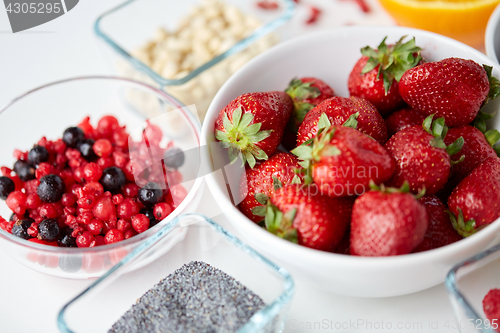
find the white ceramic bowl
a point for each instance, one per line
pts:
(330, 55)
(492, 36)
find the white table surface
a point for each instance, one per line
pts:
(65, 47)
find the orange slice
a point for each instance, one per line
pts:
(464, 20)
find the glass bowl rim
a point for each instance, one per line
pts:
(239, 46)
(266, 313)
(137, 238)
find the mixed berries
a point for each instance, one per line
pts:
(84, 190)
(404, 164)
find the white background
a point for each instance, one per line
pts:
(66, 47)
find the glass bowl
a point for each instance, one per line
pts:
(108, 298)
(130, 25)
(467, 284)
(48, 111)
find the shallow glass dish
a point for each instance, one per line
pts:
(108, 298)
(467, 284)
(130, 25)
(48, 111)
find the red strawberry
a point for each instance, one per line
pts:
(421, 156)
(260, 180)
(474, 202)
(387, 223)
(306, 93)
(491, 308)
(344, 245)
(476, 149)
(338, 110)
(253, 123)
(376, 74)
(342, 161)
(303, 215)
(452, 88)
(440, 231)
(402, 119)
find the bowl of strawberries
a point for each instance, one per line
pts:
(362, 159)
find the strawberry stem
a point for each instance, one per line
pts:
(464, 229)
(241, 137)
(494, 84)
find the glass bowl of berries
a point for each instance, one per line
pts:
(329, 225)
(89, 177)
(474, 290)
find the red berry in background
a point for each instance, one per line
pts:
(162, 210)
(105, 162)
(402, 119)
(43, 169)
(127, 209)
(47, 211)
(86, 201)
(153, 134)
(120, 138)
(129, 233)
(107, 125)
(440, 231)
(104, 209)
(113, 236)
(86, 127)
(140, 223)
(452, 88)
(178, 193)
(387, 223)
(123, 225)
(491, 308)
(93, 188)
(84, 239)
(16, 201)
(339, 110)
(95, 227)
(103, 148)
(117, 199)
(92, 172)
(33, 201)
(131, 190)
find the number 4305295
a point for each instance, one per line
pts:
(34, 8)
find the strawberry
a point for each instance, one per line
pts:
(376, 74)
(344, 245)
(440, 231)
(301, 214)
(421, 156)
(402, 119)
(280, 166)
(491, 308)
(342, 161)
(387, 222)
(306, 93)
(253, 124)
(338, 110)
(452, 88)
(477, 148)
(474, 202)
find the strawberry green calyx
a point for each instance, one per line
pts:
(405, 188)
(393, 60)
(464, 229)
(438, 130)
(494, 84)
(281, 224)
(240, 136)
(300, 91)
(263, 200)
(480, 121)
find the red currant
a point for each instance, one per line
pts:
(95, 227)
(162, 210)
(92, 172)
(131, 190)
(84, 239)
(103, 148)
(127, 209)
(104, 209)
(123, 225)
(113, 236)
(16, 201)
(140, 223)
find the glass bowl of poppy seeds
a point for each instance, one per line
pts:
(210, 282)
(86, 178)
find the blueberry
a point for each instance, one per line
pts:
(70, 264)
(72, 136)
(86, 150)
(20, 228)
(48, 230)
(150, 194)
(38, 154)
(174, 158)
(25, 170)
(51, 188)
(113, 179)
(148, 212)
(6, 187)
(65, 239)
